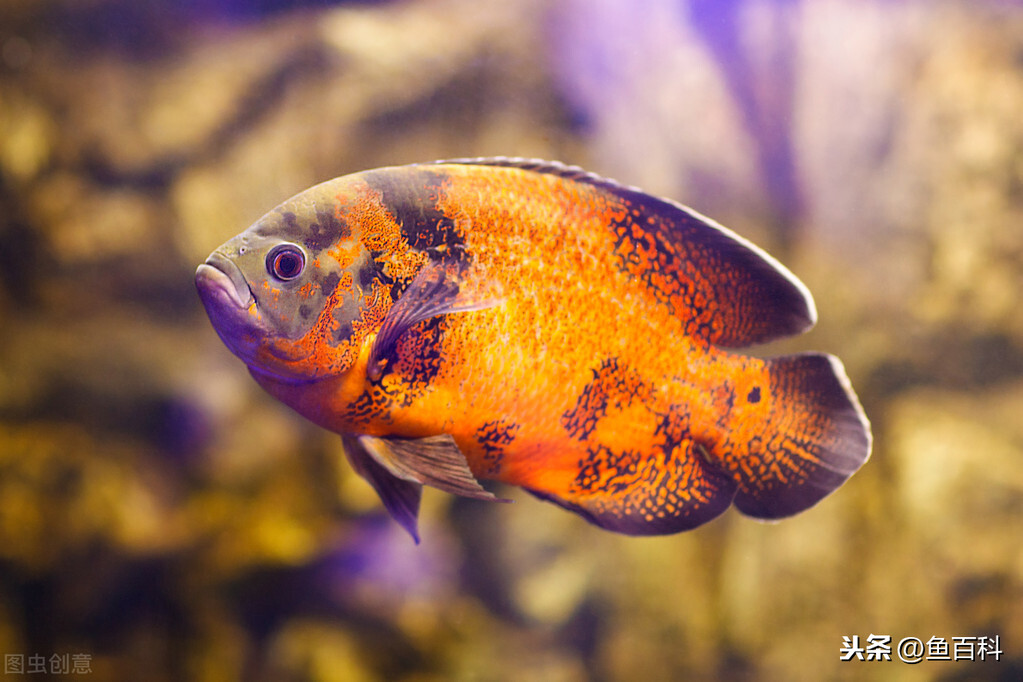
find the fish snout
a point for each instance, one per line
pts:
(219, 274)
(228, 300)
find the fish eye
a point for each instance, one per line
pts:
(285, 262)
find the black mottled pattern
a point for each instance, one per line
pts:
(642, 248)
(412, 200)
(316, 234)
(630, 492)
(613, 386)
(326, 231)
(407, 374)
(671, 489)
(372, 405)
(417, 358)
(673, 428)
(494, 437)
(723, 291)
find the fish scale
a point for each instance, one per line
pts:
(535, 324)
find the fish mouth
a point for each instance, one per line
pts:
(229, 302)
(219, 274)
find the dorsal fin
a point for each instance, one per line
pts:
(562, 170)
(730, 292)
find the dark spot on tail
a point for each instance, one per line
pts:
(754, 395)
(816, 438)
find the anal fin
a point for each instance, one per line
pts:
(646, 493)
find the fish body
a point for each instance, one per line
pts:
(530, 323)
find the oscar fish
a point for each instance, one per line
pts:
(531, 323)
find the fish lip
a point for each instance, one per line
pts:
(219, 267)
(230, 304)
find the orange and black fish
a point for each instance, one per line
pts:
(534, 324)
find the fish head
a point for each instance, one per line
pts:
(286, 295)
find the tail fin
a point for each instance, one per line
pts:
(817, 436)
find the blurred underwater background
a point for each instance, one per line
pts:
(164, 519)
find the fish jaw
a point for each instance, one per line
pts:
(326, 400)
(230, 305)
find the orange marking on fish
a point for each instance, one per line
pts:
(317, 348)
(376, 304)
(345, 255)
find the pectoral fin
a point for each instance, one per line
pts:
(440, 287)
(398, 468)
